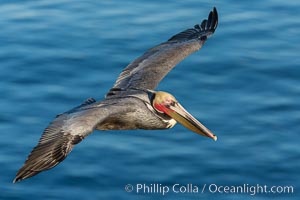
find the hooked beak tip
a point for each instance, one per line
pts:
(215, 138)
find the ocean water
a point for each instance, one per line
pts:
(243, 85)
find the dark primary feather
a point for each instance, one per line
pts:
(148, 70)
(202, 32)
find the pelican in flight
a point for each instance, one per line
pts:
(130, 104)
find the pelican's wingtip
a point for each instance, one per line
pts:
(201, 31)
(215, 10)
(16, 180)
(208, 26)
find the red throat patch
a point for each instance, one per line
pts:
(162, 108)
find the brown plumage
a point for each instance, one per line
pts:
(130, 104)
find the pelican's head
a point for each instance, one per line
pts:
(166, 103)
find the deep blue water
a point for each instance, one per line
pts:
(244, 85)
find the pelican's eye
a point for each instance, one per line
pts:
(173, 103)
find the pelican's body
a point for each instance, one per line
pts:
(132, 110)
(132, 103)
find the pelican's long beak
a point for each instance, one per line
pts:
(177, 112)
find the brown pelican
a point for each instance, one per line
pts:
(132, 103)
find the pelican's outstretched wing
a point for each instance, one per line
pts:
(67, 130)
(148, 70)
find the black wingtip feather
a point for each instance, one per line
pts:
(202, 32)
